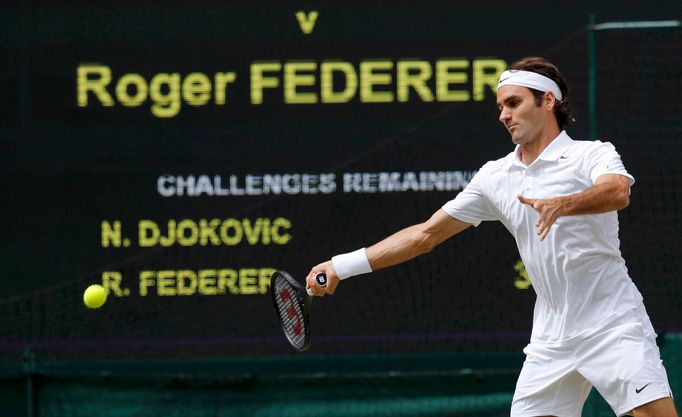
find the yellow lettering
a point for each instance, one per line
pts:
(147, 279)
(139, 86)
(214, 232)
(227, 280)
(148, 233)
(97, 85)
(222, 79)
(446, 75)
(196, 89)
(207, 282)
(486, 72)
(252, 233)
(187, 282)
(225, 235)
(248, 281)
(165, 283)
(264, 275)
(259, 81)
(207, 231)
(300, 82)
(265, 232)
(371, 75)
(169, 239)
(111, 234)
(522, 280)
(293, 78)
(327, 70)
(278, 237)
(306, 21)
(414, 74)
(190, 239)
(165, 104)
(111, 281)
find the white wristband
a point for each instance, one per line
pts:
(352, 263)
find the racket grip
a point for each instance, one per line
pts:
(321, 280)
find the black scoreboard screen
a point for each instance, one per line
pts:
(179, 155)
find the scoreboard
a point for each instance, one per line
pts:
(179, 155)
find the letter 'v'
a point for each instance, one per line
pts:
(306, 21)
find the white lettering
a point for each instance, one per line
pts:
(305, 183)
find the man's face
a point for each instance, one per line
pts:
(520, 115)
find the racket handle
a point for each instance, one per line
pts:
(321, 280)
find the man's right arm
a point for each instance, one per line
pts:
(397, 248)
(414, 240)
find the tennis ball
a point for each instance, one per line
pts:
(95, 296)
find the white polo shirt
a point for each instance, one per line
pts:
(578, 274)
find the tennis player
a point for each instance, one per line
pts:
(559, 198)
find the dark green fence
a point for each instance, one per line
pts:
(475, 384)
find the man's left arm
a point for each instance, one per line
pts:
(610, 192)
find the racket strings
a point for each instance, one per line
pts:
(290, 312)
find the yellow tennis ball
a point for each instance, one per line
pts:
(95, 296)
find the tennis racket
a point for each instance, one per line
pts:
(292, 304)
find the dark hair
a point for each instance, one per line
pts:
(562, 109)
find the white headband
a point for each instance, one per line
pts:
(531, 80)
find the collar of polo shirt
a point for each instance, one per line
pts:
(552, 152)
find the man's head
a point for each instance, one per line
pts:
(538, 81)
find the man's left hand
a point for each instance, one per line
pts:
(548, 211)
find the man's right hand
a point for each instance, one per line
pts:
(332, 279)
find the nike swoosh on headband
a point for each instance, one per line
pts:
(531, 80)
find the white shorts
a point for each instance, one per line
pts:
(621, 361)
